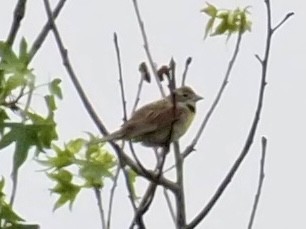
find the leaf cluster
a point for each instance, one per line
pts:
(225, 21)
(79, 158)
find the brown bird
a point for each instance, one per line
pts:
(153, 123)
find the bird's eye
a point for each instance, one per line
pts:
(185, 95)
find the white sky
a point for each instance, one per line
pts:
(175, 29)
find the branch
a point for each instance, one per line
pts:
(190, 148)
(260, 182)
(138, 94)
(282, 21)
(123, 100)
(111, 198)
(249, 141)
(150, 192)
(180, 193)
(99, 203)
(147, 49)
(187, 63)
(18, 16)
(167, 197)
(45, 30)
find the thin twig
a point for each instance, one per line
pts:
(249, 141)
(138, 94)
(260, 182)
(231, 63)
(147, 49)
(111, 197)
(282, 21)
(45, 30)
(187, 63)
(123, 100)
(18, 16)
(100, 207)
(167, 197)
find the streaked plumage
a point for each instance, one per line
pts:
(151, 124)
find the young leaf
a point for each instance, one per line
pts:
(132, 179)
(23, 51)
(55, 89)
(66, 190)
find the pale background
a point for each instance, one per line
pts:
(175, 29)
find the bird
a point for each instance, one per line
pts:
(159, 123)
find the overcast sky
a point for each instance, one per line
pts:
(175, 29)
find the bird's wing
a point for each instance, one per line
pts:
(152, 117)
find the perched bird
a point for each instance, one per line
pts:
(153, 123)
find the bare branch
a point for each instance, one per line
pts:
(190, 148)
(45, 30)
(147, 49)
(167, 197)
(250, 138)
(260, 182)
(180, 192)
(111, 198)
(138, 94)
(123, 100)
(187, 63)
(100, 206)
(18, 16)
(150, 192)
(282, 21)
(258, 58)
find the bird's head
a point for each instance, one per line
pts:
(186, 95)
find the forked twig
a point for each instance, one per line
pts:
(45, 30)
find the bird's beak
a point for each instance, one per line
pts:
(197, 98)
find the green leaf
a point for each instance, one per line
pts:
(50, 101)
(23, 51)
(2, 195)
(7, 213)
(210, 10)
(76, 145)
(221, 28)
(7, 139)
(15, 81)
(64, 187)
(94, 173)
(209, 26)
(62, 159)
(7, 54)
(23, 226)
(55, 89)
(132, 175)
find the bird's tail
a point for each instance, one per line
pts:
(113, 136)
